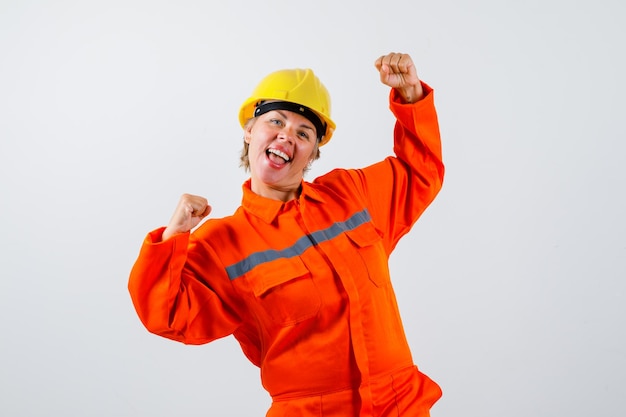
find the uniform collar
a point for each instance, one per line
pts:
(267, 209)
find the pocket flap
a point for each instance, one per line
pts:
(271, 274)
(364, 236)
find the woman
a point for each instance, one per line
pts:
(299, 273)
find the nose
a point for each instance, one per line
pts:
(287, 133)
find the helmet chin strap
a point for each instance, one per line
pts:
(265, 106)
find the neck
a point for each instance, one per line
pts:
(277, 193)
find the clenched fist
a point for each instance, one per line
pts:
(190, 211)
(397, 71)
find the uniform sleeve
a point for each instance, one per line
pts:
(180, 291)
(400, 188)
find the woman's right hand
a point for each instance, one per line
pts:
(190, 211)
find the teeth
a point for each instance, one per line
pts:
(279, 153)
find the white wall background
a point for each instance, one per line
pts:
(512, 284)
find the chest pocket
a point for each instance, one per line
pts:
(369, 245)
(284, 291)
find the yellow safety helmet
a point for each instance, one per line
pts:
(292, 86)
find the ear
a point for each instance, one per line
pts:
(247, 132)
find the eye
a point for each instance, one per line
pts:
(276, 122)
(303, 134)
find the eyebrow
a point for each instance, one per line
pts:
(282, 113)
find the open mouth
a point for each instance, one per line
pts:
(277, 156)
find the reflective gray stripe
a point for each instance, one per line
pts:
(236, 270)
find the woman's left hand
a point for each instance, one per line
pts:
(398, 71)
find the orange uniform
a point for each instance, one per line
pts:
(304, 285)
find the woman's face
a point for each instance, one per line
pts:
(281, 145)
